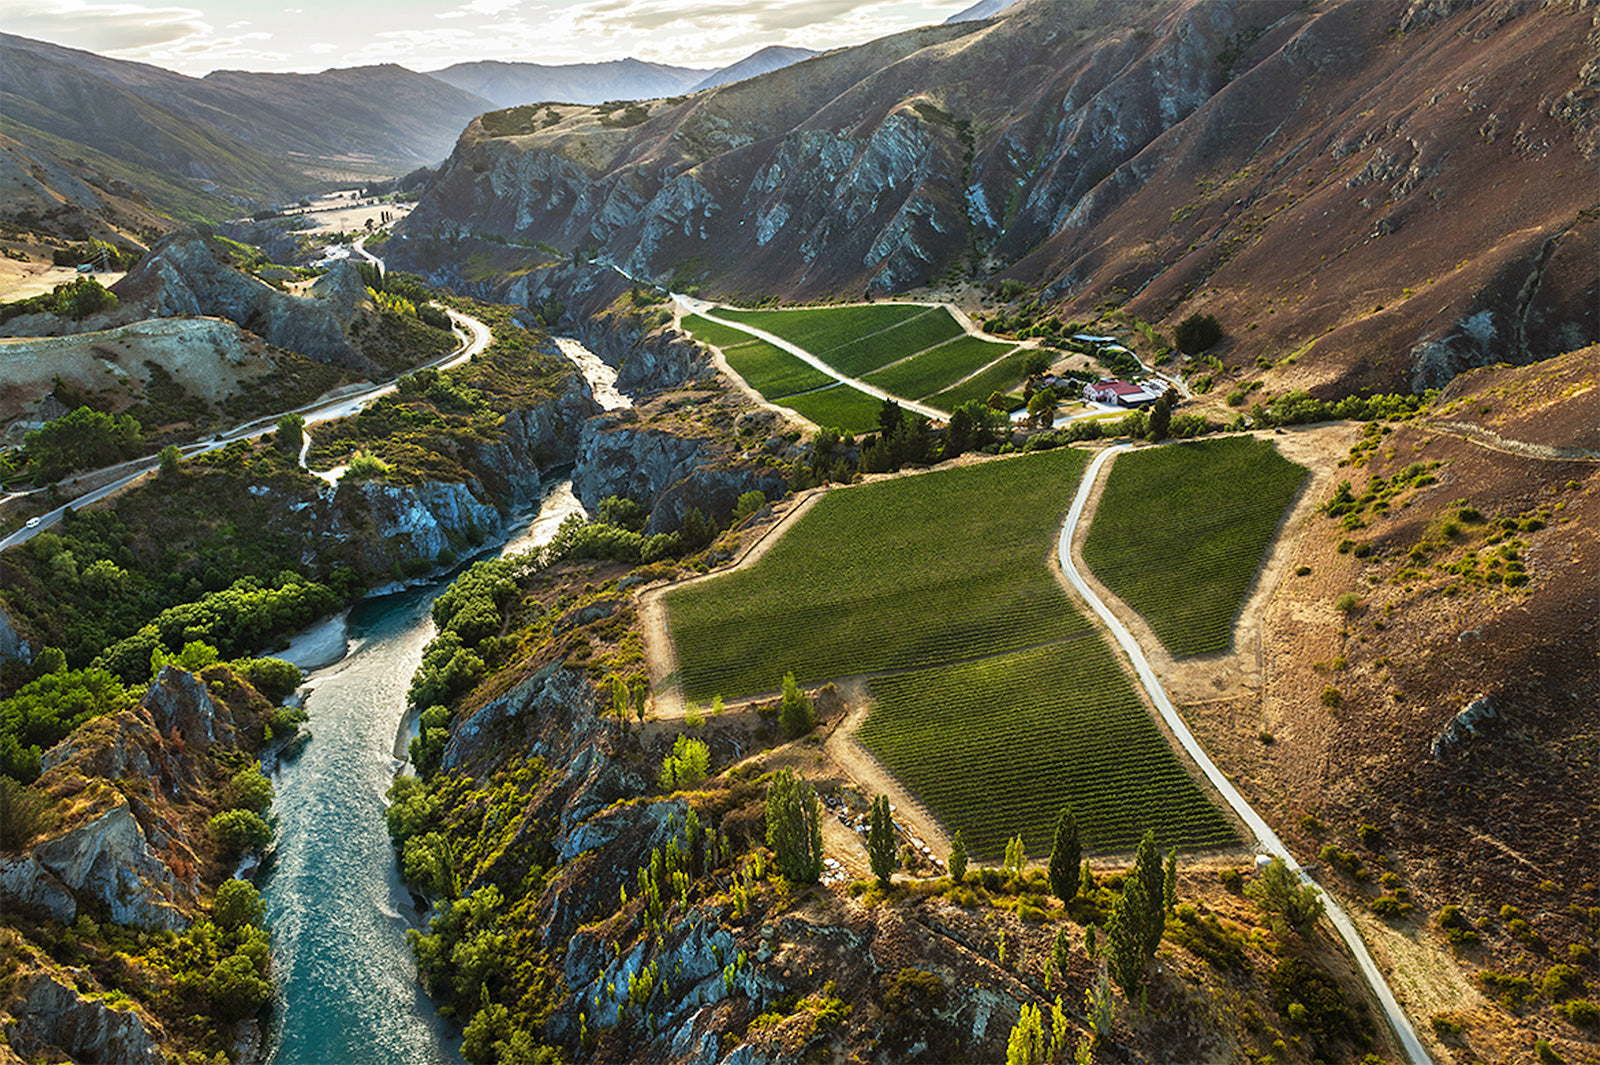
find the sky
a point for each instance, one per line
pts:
(261, 35)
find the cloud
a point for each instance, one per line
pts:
(102, 27)
(480, 7)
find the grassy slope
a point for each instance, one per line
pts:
(1181, 530)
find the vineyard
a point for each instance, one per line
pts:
(1002, 377)
(817, 329)
(772, 371)
(987, 675)
(996, 747)
(841, 407)
(1181, 531)
(938, 367)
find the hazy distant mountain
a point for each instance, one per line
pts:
(512, 84)
(246, 137)
(774, 57)
(981, 10)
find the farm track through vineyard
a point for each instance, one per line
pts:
(997, 701)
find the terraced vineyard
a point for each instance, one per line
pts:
(938, 367)
(942, 580)
(1181, 531)
(989, 745)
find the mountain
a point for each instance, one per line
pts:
(512, 84)
(1366, 194)
(773, 57)
(981, 10)
(516, 84)
(243, 137)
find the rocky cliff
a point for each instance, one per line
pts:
(1350, 183)
(680, 450)
(130, 847)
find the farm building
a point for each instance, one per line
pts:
(1120, 393)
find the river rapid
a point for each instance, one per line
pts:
(347, 992)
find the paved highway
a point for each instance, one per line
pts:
(473, 335)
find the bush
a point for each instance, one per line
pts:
(237, 830)
(687, 764)
(1580, 1011)
(237, 903)
(1197, 332)
(236, 990)
(249, 790)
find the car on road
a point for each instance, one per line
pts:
(31, 523)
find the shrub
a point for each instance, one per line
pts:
(249, 790)
(1332, 698)
(1347, 603)
(687, 764)
(1580, 1011)
(236, 990)
(237, 903)
(24, 814)
(1197, 332)
(237, 830)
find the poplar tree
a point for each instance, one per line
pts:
(1147, 869)
(1065, 856)
(880, 841)
(958, 858)
(1125, 936)
(794, 827)
(796, 714)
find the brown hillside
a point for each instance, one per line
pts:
(1388, 192)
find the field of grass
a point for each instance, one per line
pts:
(840, 407)
(937, 368)
(995, 747)
(772, 371)
(867, 353)
(1002, 377)
(818, 329)
(997, 701)
(1181, 530)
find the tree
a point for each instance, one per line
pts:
(880, 841)
(81, 439)
(795, 713)
(686, 766)
(1042, 407)
(1125, 936)
(1026, 1045)
(237, 903)
(958, 858)
(794, 827)
(170, 458)
(889, 419)
(250, 790)
(236, 989)
(1065, 856)
(1016, 855)
(1283, 900)
(235, 830)
(291, 434)
(1148, 870)
(1160, 420)
(1036, 362)
(1196, 333)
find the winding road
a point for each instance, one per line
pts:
(1270, 843)
(473, 335)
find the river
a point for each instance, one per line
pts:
(346, 988)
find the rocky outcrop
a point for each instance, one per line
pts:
(1466, 725)
(110, 860)
(399, 523)
(179, 704)
(668, 468)
(12, 643)
(533, 440)
(184, 275)
(53, 1017)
